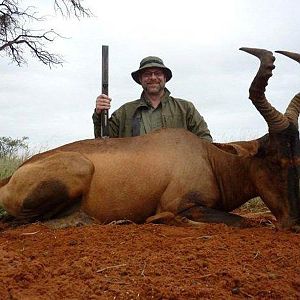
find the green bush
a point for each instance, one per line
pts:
(12, 153)
(8, 166)
(12, 148)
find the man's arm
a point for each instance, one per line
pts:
(113, 125)
(103, 103)
(97, 124)
(197, 125)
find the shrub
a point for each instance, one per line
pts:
(11, 148)
(12, 153)
(8, 166)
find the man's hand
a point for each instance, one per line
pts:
(102, 102)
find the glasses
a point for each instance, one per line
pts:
(149, 74)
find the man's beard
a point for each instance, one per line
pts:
(154, 90)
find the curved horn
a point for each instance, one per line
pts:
(258, 85)
(292, 55)
(293, 110)
(276, 121)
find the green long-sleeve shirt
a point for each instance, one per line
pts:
(139, 117)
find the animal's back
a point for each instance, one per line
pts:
(117, 178)
(132, 175)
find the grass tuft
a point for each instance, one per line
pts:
(7, 166)
(254, 205)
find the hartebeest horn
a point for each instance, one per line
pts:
(293, 110)
(276, 121)
(292, 55)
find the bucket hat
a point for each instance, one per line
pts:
(151, 62)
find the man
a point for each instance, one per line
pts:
(155, 109)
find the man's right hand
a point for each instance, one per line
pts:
(102, 102)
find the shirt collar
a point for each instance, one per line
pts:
(144, 102)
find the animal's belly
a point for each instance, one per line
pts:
(110, 209)
(125, 189)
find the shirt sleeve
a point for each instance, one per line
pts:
(97, 124)
(197, 125)
(113, 125)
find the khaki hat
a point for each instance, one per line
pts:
(151, 62)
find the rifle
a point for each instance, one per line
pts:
(104, 113)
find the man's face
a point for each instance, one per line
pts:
(153, 80)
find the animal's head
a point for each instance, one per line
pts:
(279, 151)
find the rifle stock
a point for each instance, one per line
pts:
(104, 114)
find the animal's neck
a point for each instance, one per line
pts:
(234, 180)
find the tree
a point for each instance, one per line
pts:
(16, 36)
(10, 147)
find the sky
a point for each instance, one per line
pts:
(198, 40)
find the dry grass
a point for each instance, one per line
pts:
(254, 205)
(7, 167)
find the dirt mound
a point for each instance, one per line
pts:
(149, 262)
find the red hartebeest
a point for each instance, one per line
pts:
(170, 175)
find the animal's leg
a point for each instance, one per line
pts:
(197, 216)
(44, 188)
(192, 206)
(209, 215)
(169, 218)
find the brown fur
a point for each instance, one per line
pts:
(170, 175)
(170, 170)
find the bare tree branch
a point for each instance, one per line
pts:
(69, 7)
(17, 38)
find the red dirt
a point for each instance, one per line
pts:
(149, 262)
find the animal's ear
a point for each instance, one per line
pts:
(226, 147)
(245, 149)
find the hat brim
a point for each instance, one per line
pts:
(136, 74)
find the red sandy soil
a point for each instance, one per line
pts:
(149, 262)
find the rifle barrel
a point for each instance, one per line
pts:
(104, 113)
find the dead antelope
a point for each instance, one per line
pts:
(171, 175)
